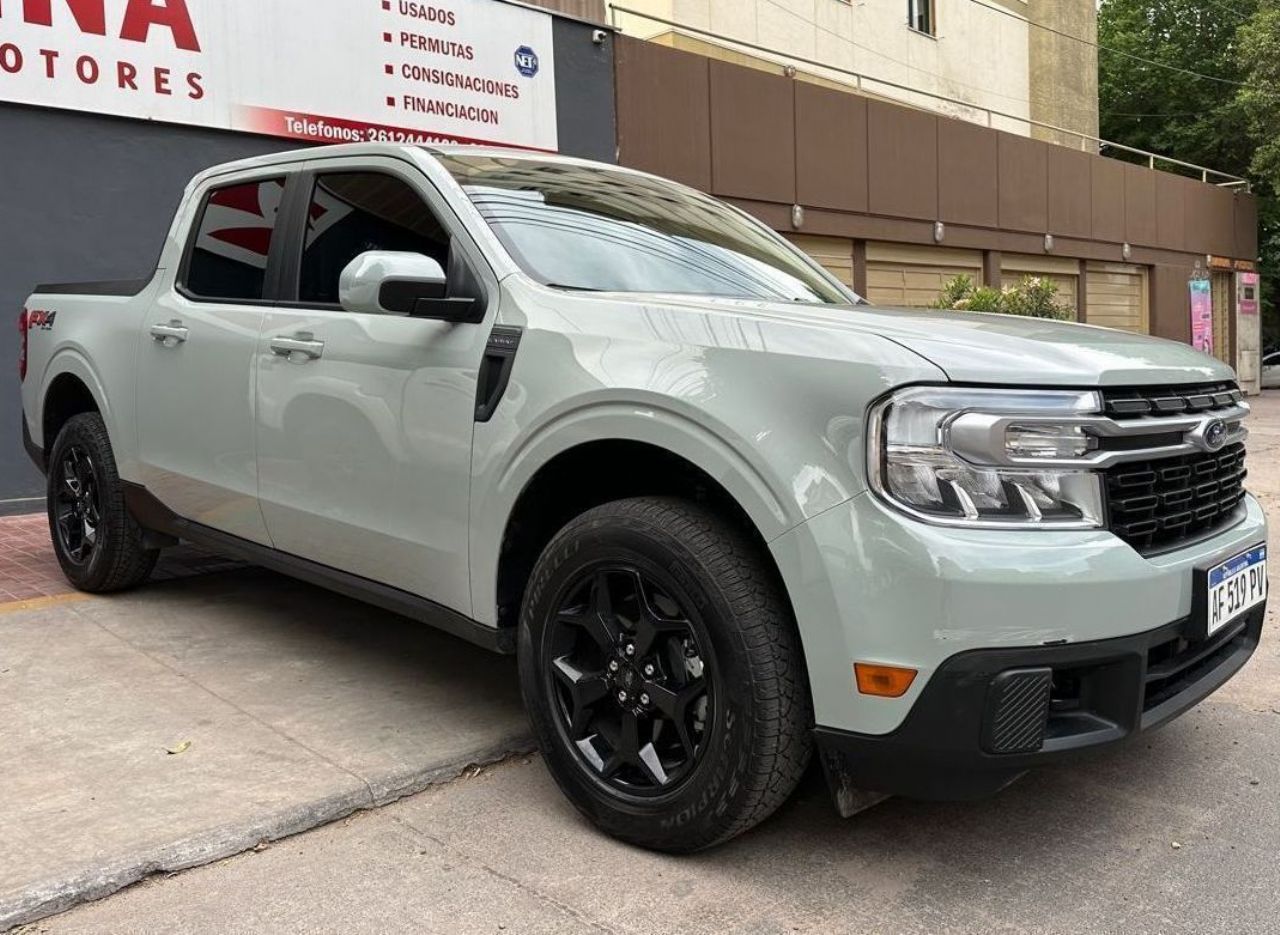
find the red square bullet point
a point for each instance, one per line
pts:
(386, 37)
(391, 102)
(386, 4)
(391, 69)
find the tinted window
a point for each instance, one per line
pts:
(591, 227)
(229, 255)
(353, 212)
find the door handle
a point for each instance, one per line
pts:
(170, 335)
(283, 346)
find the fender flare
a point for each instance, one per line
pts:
(654, 424)
(71, 360)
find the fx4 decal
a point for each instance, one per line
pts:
(41, 319)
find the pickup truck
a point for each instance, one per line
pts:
(725, 513)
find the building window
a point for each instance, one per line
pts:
(920, 16)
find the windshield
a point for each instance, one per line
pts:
(593, 228)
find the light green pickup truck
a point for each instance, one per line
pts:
(726, 513)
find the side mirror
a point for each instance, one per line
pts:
(385, 282)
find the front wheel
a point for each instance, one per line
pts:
(663, 674)
(98, 544)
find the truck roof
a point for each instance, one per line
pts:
(339, 150)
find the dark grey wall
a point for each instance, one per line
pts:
(84, 197)
(585, 112)
(87, 197)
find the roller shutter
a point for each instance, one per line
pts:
(835, 254)
(914, 276)
(1220, 288)
(1117, 297)
(1063, 273)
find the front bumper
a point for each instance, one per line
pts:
(868, 584)
(986, 716)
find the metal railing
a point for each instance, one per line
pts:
(860, 82)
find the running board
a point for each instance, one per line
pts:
(157, 518)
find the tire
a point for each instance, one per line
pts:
(709, 771)
(98, 544)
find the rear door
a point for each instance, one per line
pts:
(196, 369)
(364, 440)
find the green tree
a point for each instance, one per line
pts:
(1170, 112)
(1215, 123)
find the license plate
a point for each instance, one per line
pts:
(1235, 586)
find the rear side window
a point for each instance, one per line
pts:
(228, 258)
(354, 212)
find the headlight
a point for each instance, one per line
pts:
(987, 458)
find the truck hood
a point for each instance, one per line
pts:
(971, 347)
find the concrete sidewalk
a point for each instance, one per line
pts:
(192, 719)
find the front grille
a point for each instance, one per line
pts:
(1170, 400)
(1158, 504)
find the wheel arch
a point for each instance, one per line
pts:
(68, 393)
(590, 473)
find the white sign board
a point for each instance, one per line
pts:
(470, 71)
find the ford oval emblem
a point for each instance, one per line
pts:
(1215, 434)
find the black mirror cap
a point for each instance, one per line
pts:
(459, 310)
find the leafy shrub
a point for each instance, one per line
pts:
(1032, 297)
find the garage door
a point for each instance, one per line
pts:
(1062, 272)
(834, 253)
(914, 276)
(1220, 289)
(1117, 297)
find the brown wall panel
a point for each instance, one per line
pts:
(1140, 206)
(1222, 221)
(1070, 185)
(902, 148)
(1246, 227)
(664, 111)
(753, 133)
(831, 148)
(1171, 302)
(968, 181)
(1210, 226)
(1171, 210)
(868, 169)
(590, 10)
(1108, 199)
(1024, 183)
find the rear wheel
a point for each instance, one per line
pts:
(663, 674)
(97, 542)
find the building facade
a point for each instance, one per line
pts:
(1002, 63)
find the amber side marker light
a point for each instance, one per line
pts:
(884, 681)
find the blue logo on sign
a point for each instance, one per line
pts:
(526, 61)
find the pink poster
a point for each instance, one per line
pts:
(1201, 316)
(1247, 293)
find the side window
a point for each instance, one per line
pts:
(353, 212)
(228, 258)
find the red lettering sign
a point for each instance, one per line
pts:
(139, 16)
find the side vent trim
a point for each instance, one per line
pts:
(495, 371)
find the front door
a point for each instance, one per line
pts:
(364, 420)
(196, 387)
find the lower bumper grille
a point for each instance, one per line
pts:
(1157, 505)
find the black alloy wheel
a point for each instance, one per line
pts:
(663, 673)
(77, 509)
(99, 545)
(634, 694)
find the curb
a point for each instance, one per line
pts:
(49, 897)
